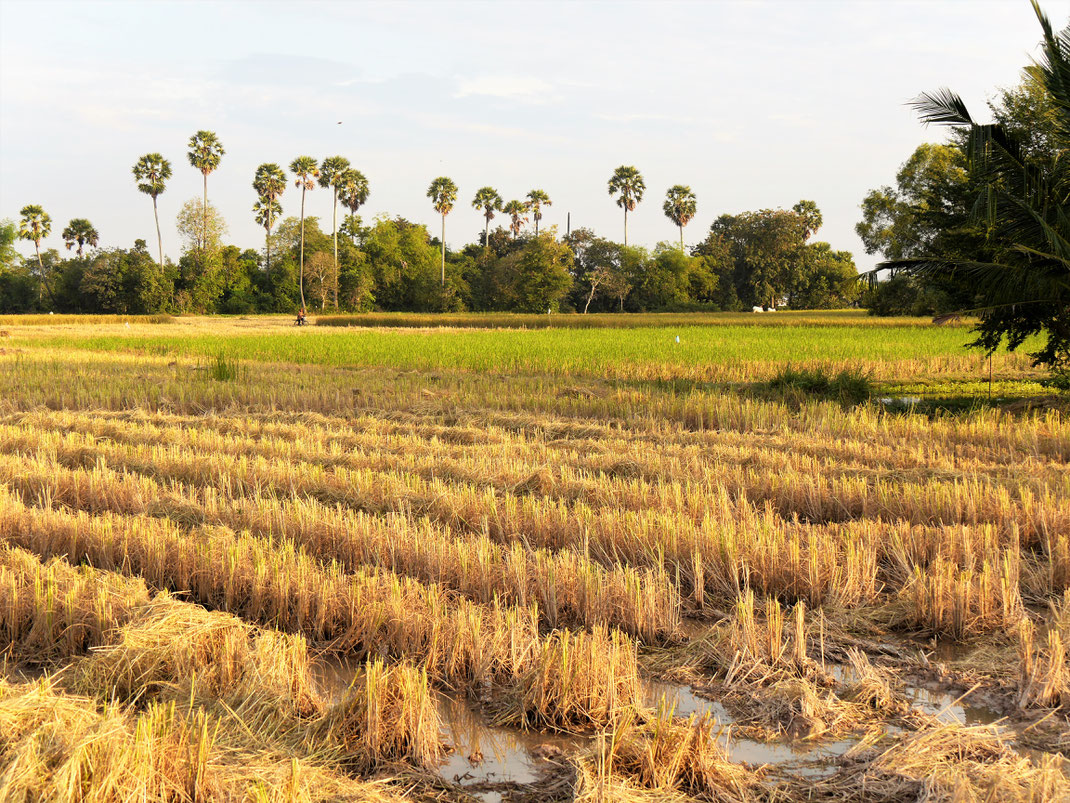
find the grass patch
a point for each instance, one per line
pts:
(848, 386)
(58, 320)
(223, 368)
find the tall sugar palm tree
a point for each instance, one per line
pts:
(488, 200)
(151, 173)
(205, 153)
(1020, 275)
(679, 207)
(515, 210)
(304, 167)
(34, 226)
(353, 190)
(80, 232)
(331, 171)
(269, 182)
(443, 194)
(537, 199)
(628, 185)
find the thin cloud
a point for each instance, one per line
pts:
(510, 87)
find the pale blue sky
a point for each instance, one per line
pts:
(754, 104)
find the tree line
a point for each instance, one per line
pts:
(763, 258)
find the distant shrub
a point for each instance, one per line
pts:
(849, 386)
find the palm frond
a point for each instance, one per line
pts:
(942, 107)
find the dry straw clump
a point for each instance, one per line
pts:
(1044, 663)
(950, 762)
(388, 713)
(663, 755)
(56, 746)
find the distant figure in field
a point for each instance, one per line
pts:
(302, 317)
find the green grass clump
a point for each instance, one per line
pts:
(223, 369)
(849, 386)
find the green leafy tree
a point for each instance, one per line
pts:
(628, 185)
(765, 249)
(679, 207)
(80, 232)
(151, 173)
(306, 170)
(1020, 275)
(536, 277)
(926, 212)
(443, 194)
(269, 182)
(205, 154)
(9, 255)
(201, 278)
(125, 282)
(537, 199)
(489, 201)
(515, 210)
(826, 279)
(332, 170)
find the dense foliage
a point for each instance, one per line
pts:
(981, 224)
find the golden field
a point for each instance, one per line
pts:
(246, 561)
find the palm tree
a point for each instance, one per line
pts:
(537, 199)
(487, 199)
(205, 153)
(304, 167)
(269, 183)
(35, 226)
(443, 193)
(1020, 273)
(331, 171)
(679, 207)
(80, 232)
(627, 183)
(516, 210)
(353, 190)
(151, 172)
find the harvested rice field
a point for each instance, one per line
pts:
(243, 561)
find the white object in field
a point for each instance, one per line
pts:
(757, 309)
(678, 338)
(51, 313)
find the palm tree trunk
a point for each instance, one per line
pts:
(159, 237)
(302, 275)
(43, 285)
(681, 237)
(537, 216)
(335, 224)
(486, 232)
(204, 212)
(625, 225)
(443, 249)
(267, 251)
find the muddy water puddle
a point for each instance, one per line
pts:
(487, 760)
(485, 755)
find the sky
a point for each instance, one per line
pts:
(752, 104)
